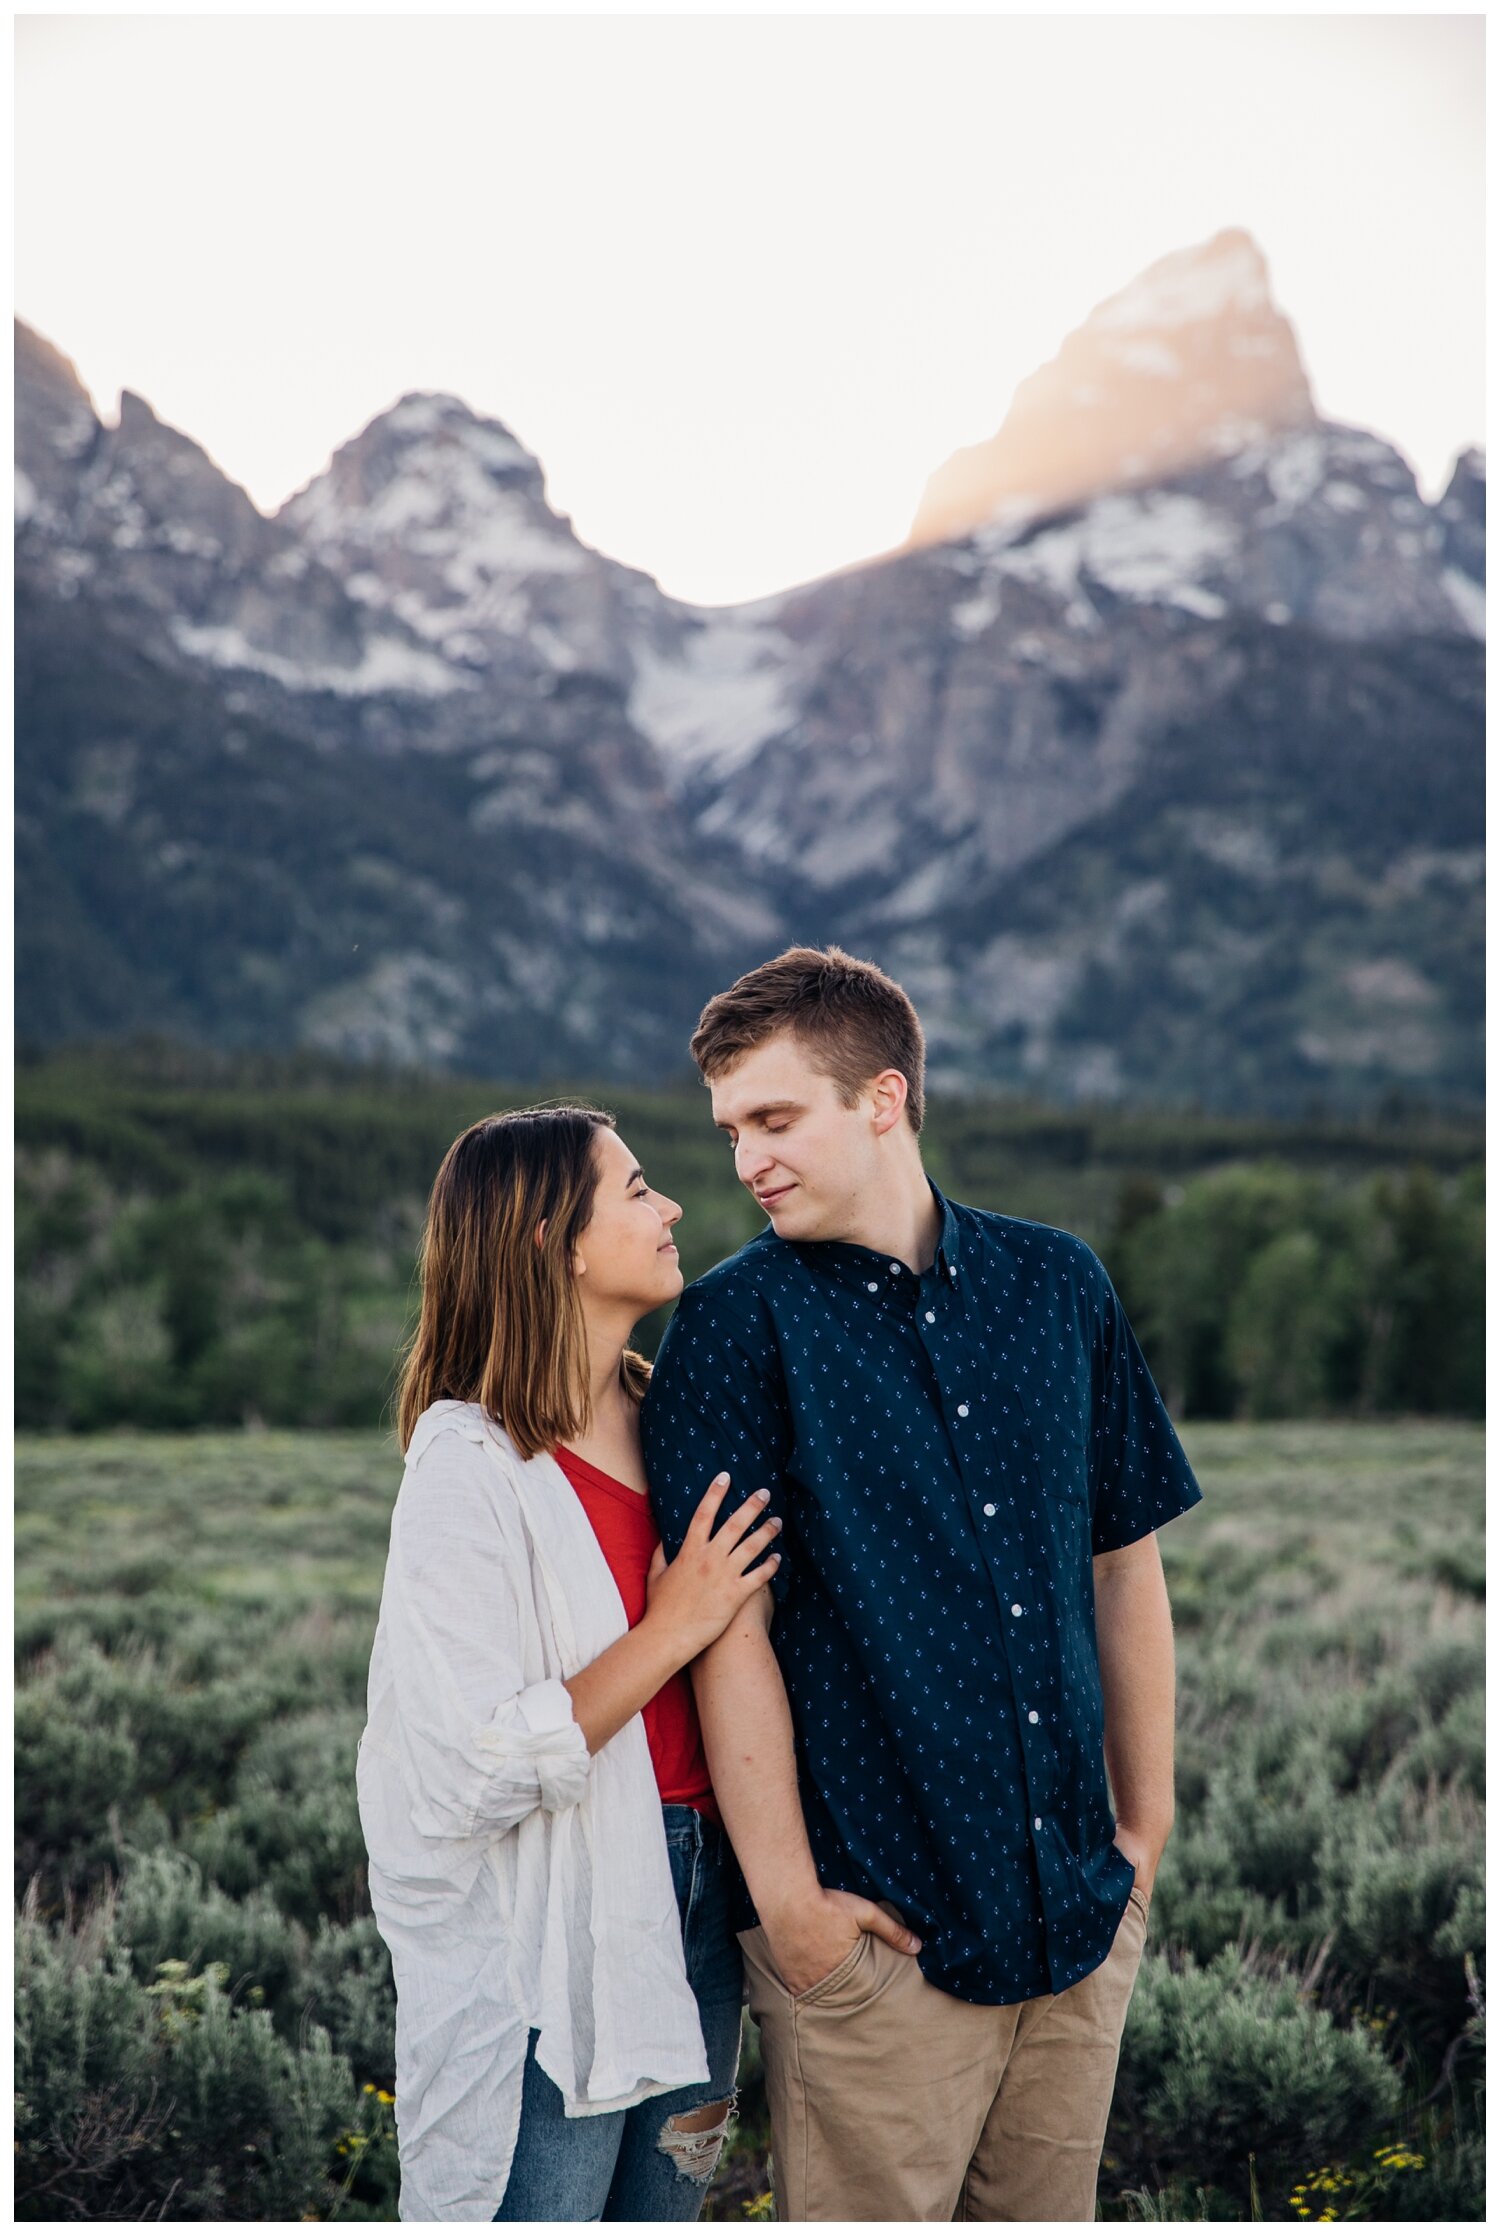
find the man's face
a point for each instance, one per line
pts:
(804, 1156)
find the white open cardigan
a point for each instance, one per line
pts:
(517, 1881)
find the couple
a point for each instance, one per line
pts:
(787, 1671)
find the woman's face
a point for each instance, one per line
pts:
(625, 1255)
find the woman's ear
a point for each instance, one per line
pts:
(578, 1259)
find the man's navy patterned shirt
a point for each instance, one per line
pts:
(947, 1452)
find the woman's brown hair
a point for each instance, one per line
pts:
(501, 1325)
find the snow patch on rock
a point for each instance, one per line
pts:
(1466, 598)
(385, 665)
(1151, 546)
(726, 691)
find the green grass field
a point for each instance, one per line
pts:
(205, 2010)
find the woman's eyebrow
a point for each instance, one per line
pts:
(632, 1178)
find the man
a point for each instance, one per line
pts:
(909, 1728)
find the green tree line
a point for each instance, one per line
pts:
(207, 1242)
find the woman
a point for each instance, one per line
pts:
(546, 1862)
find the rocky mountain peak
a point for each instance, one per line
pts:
(44, 375)
(56, 427)
(429, 462)
(1188, 363)
(440, 516)
(136, 415)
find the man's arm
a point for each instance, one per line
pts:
(1139, 1479)
(1137, 1672)
(717, 1400)
(747, 1737)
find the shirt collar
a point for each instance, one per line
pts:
(950, 1241)
(860, 1267)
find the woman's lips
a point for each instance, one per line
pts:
(775, 1195)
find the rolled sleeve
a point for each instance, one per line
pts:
(540, 1756)
(716, 1401)
(1139, 1476)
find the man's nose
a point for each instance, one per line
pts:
(751, 1162)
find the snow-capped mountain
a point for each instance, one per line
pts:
(1153, 765)
(1189, 363)
(440, 518)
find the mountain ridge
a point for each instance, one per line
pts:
(949, 757)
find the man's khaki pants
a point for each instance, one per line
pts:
(893, 2101)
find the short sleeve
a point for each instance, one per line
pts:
(1139, 1475)
(717, 1400)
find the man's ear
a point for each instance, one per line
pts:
(889, 1091)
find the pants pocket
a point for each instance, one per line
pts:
(832, 1981)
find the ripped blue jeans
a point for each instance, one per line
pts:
(625, 2165)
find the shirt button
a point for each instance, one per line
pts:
(963, 1413)
(929, 1316)
(1036, 1824)
(873, 1287)
(989, 1510)
(1032, 1717)
(1015, 1607)
(895, 1268)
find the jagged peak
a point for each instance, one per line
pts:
(1222, 277)
(138, 417)
(1190, 362)
(42, 360)
(427, 436)
(422, 415)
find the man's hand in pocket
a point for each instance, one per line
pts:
(811, 1938)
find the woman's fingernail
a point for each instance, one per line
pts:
(721, 1477)
(762, 1494)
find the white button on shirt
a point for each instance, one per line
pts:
(991, 1510)
(1015, 1607)
(929, 1315)
(963, 1413)
(873, 1287)
(1032, 1717)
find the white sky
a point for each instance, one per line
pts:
(740, 282)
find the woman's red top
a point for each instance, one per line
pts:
(628, 1537)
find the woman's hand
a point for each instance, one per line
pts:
(699, 1594)
(689, 1601)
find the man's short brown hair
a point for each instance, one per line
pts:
(852, 1020)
